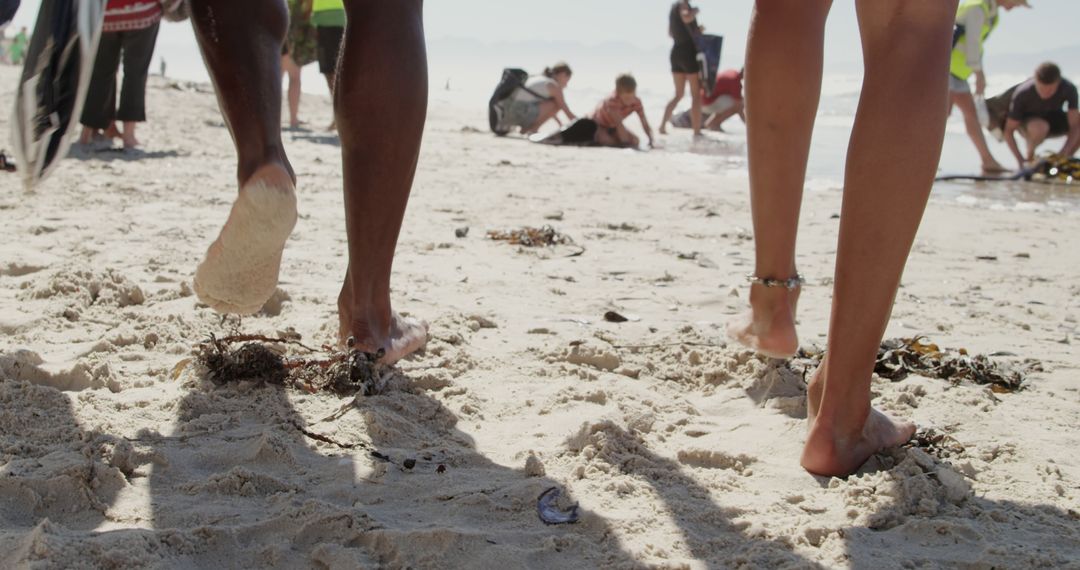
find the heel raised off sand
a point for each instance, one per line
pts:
(240, 270)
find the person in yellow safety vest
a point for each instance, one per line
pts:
(975, 19)
(328, 17)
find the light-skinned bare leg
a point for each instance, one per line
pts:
(548, 110)
(380, 131)
(786, 41)
(695, 102)
(966, 103)
(128, 136)
(292, 71)
(714, 123)
(680, 90)
(892, 159)
(1035, 133)
(241, 43)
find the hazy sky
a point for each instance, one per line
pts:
(1051, 24)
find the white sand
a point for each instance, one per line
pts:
(681, 456)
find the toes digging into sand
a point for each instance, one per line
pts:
(831, 454)
(240, 270)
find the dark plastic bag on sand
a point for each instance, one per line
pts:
(512, 79)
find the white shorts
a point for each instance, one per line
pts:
(957, 85)
(721, 104)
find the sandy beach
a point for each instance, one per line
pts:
(681, 449)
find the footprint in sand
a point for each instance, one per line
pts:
(240, 270)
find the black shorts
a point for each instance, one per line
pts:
(1059, 123)
(328, 45)
(684, 59)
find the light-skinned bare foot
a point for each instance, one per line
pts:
(834, 452)
(240, 270)
(768, 326)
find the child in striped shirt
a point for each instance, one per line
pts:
(611, 112)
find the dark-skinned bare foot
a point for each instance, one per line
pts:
(379, 328)
(768, 326)
(240, 270)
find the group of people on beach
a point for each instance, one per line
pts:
(380, 94)
(542, 97)
(1045, 106)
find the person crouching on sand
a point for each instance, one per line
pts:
(611, 112)
(893, 156)
(540, 100)
(1043, 107)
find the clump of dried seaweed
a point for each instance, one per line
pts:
(899, 357)
(344, 372)
(249, 361)
(545, 236)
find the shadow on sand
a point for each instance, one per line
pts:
(252, 475)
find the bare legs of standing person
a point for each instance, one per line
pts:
(380, 131)
(779, 123)
(293, 72)
(681, 79)
(243, 54)
(965, 101)
(892, 159)
(241, 43)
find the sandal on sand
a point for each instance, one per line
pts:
(6, 164)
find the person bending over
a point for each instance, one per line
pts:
(975, 20)
(540, 100)
(611, 112)
(726, 100)
(1043, 107)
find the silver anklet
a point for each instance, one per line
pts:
(790, 283)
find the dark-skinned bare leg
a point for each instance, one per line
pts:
(892, 159)
(786, 40)
(241, 43)
(380, 133)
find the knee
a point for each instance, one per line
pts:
(1037, 128)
